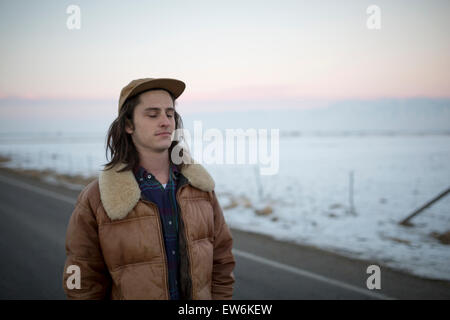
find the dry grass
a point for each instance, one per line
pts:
(4, 159)
(74, 180)
(443, 238)
(265, 211)
(244, 201)
(233, 204)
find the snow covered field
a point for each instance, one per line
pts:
(309, 197)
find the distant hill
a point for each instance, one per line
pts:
(416, 116)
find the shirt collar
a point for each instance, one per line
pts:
(140, 172)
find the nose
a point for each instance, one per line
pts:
(165, 121)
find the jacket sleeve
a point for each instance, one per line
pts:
(223, 259)
(83, 251)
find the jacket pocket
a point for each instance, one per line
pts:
(131, 241)
(143, 281)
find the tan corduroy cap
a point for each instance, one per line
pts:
(176, 87)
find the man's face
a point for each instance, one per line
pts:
(154, 122)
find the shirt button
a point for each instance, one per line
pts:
(170, 222)
(149, 176)
(173, 252)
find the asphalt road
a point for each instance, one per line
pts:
(34, 217)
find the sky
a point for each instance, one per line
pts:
(230, 54)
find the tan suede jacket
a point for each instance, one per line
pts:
(115, 239)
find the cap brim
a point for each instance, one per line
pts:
(176, 87)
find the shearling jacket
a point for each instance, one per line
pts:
(115, 238)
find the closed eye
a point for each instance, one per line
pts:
(168, 116)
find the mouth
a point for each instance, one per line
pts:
(163, 134)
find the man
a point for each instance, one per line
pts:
(148, 228)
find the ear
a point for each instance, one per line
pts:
(129, 128)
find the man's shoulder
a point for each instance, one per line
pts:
(90, 195)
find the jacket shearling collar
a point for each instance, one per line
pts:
(120, 192)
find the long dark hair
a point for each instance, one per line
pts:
(119, 142)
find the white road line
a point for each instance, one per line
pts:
(240, 253)
(41, 191)
(311, 275)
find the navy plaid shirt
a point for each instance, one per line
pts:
(165, 198)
